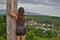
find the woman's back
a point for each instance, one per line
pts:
(20, 22)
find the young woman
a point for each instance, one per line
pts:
(20, 22)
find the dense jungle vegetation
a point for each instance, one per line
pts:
(36, 32)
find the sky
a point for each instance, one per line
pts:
(45, 7)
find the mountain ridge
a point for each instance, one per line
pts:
(3, 11)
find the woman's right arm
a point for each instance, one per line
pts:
(13, 15)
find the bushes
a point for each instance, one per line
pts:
(42, 33)
(31, 36)
(39, 34)
(33, 33)
(45, 34)
(2, 27)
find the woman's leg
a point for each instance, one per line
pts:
(18, 38)
(23, 37)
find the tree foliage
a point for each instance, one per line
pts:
(34, 33)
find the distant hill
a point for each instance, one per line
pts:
(3, 11)
(31, 13)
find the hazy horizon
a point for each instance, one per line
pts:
(46, 7)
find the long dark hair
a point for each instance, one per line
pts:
(21, 15)
(21, 11)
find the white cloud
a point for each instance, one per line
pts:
(2, 6)
(2, 1)
(52, 10)
(43, 9)
(49, 2)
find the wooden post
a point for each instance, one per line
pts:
(11, 26)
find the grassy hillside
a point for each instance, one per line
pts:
(2, 27)
(36, 32)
